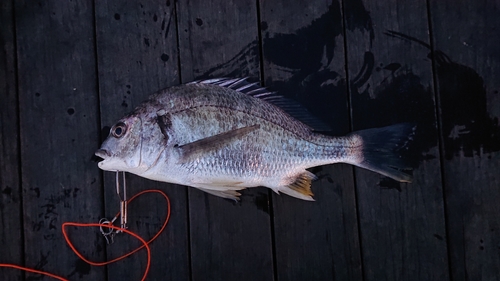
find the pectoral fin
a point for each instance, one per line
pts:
(220, 184)
(193, 150)
(228, 194)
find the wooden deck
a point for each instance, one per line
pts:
(70, 68)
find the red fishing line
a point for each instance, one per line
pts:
(145, 244)
(32, 270)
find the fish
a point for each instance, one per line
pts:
(224, 135)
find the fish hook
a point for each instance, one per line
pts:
(123, 200)
(110, 233)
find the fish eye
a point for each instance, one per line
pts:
(119, 130)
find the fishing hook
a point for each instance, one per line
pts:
(110, 233)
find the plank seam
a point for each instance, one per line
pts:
(18, 139)
(261, 49)
(269, 192)
(349, 105)
(438, 114)
(99, 120)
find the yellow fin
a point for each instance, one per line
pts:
(301, 187)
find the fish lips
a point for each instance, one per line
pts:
(102, 154)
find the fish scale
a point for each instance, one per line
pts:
(231, 121)
(219, 136)
(282, 162)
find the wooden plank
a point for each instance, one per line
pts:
(229, 241)
(59, 133)
(467, 64)
(137, 56)
(10, 186)
(402, 226)
(303, 49)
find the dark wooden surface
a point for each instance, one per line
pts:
(70, 69)
(11, 224)
(467, 63)
(59, 126)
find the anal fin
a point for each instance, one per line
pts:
(301, 187)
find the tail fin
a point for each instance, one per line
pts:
(383, 150)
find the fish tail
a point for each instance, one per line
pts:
(383, 150)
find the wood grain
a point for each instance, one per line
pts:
(10, 185)
(466, 38)
(58, 130)
(137, 55)
(402, 226)
(229, 241)
(313, 240)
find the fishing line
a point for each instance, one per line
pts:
(111, 227)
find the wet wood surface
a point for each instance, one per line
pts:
(466, 64)
(69, 70)
(401, 225)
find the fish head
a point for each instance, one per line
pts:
(121, 151)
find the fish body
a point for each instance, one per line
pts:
(222, 136)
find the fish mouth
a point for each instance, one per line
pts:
(102, 153)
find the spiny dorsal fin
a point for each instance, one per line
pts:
(301, 187)
(238, 84)
(192, 150)
(291, 107)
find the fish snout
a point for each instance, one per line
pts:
(103, 153)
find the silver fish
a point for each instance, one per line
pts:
(224, 135)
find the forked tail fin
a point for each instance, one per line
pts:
(383, 150)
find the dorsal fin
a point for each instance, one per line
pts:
(239, 84)
(291, 107)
